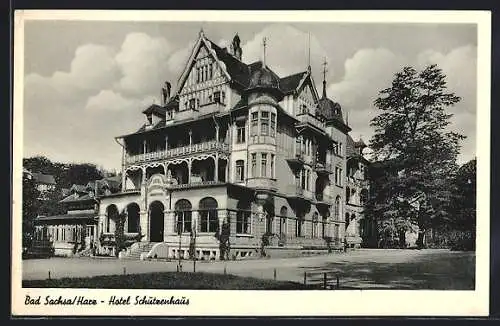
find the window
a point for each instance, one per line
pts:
(240, 170)
(347, 195)
(308, 177)
(254, 165)
(264, 127)
(210, 71)
(337, 208)
(183, 216)
(335, 148)
(209, 221)
(337, 233)
(273, 124)
(315, 225)
(272, 166)
(240, 133)
(337, 175)
(243, 218)
(303, 179)
(170, 114)
(255, 124)
(323, 227)
(340, 149)
(217, 97)
(299, 224)
(263, 167)
(283, 217)
(192, 104)
(243, 222)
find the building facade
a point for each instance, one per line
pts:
(75, 232)
(234, 147)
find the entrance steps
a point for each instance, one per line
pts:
(135, 250)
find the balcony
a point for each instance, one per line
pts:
(296, 192)
(262, 183)
(307, 118)
(323, 168)
(179, 151)
(296, 160)
(322, 199)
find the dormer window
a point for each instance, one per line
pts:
(150, 119)
(170, 115)
(219, 97)
(193, 104)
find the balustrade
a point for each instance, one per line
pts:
(179, 151)
(308, 118)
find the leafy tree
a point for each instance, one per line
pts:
(463, 204)
(415, 154)
(30, 206)
(80, 174)
(51, 205)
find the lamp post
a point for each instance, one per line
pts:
(179, 231)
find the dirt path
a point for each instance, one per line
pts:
(391, 269)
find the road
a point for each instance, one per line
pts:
(364, 268)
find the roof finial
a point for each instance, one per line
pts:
(264, 44)
(201, 32)
(309, 52)
(324, 77)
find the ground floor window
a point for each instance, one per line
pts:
(183, 216)
(315, 226)
(243, 222)
(299, 227)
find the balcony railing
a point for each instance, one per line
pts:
(322, 167)
(179, 151)
(308, 118)
(196, 184)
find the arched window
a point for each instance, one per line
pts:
(283, 218)
(183, 216)
(209, 221)
(337, 208)
(243, 218)
(111, 216)
(133, 218)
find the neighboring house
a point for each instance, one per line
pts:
(45, 183)
(76, 230)
(235, 145)
(360, 230)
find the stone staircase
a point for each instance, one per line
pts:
(135, 251)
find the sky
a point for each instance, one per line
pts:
(87, 82)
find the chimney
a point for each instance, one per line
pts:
(166, 93)
(236, 48)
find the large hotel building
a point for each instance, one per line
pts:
(236, 147)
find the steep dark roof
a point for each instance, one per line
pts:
(155, 109)
(238, 70)
(264, 78)
(350, 147)
(44, 178)
(290, 83)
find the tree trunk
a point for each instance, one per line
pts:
(402, 239)
(420, 239)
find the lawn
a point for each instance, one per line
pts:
(167, 280)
